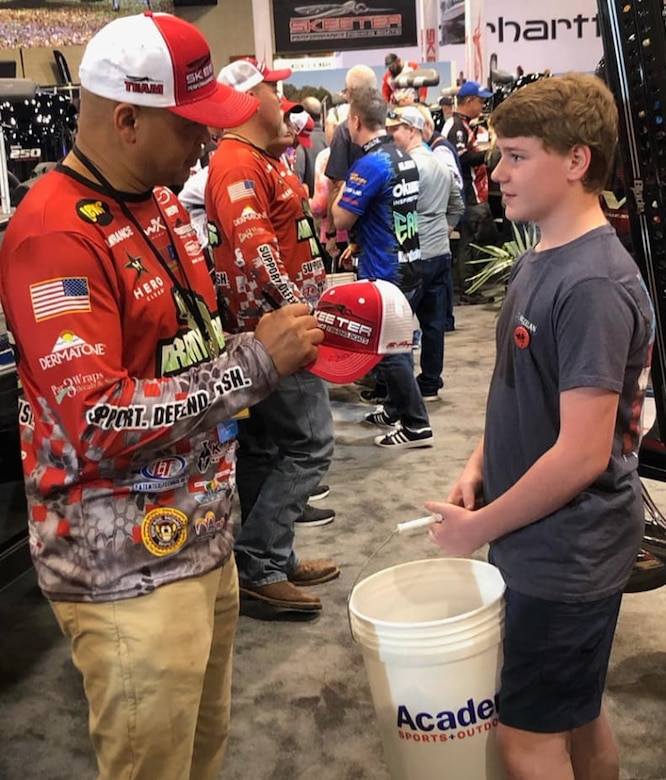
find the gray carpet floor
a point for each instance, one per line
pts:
(301, 703)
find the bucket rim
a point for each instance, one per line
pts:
(428, 623)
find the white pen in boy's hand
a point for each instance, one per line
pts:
(420, 522)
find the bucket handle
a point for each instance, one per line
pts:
(408, 525)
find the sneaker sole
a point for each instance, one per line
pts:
(407, 445)
(319, 496)
(296, 606)
(319, 581)
(380, 425)
(313, 523)
(430, 398)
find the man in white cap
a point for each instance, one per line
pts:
(266, 256)
(128, 436)
(439, 209)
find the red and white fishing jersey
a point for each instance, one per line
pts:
(127, 437)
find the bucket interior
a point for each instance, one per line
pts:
(428, 591)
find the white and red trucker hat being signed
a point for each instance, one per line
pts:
(161, 61)
(362, 322)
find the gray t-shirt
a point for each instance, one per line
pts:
(575, 316)
(440, 204)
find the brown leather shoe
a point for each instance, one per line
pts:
(314, 572)
(282, 594)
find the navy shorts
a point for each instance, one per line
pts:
(555, 661)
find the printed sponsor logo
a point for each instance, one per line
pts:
(162, 474)
(164, 530)
(468, 721)
(70, 347)
(187, 349)
(156, 226)
(246, 235)
(164, 196)
(248, 214)
(201, 74)
(267, 257)
(211, 452)
(136, 264)
(78, 383)
(95, 212)
(184, 230)
(118, 418)
(404, 188)
(192, 248)
(336, 323)
(150, 289)
(213, 490)
(120, 235)
(143, 85)
(171, 210)
(208, 524)
(25, 415)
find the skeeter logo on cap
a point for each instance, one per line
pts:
(201, 73)
(331, 319)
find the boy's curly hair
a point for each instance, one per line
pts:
(565, 111)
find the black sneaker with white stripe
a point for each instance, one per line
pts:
(321, 491)
(381, 418)
(313, 517)
(405, 439)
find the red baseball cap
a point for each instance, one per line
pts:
(303, 124)
(162, 61)
(362, 322)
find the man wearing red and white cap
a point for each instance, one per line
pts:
(128, 436)
(266, 255)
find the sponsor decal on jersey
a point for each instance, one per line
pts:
(248, 214)
(150, 289)
(267, 257)
(95, 212)
(214, 238)
(214, 489)
(122, 234)
(25, 415)
(187, 349)
(55, 297)
(118, 418)
(164, 196)
(240, 190)
(171, 210)
(162, 474)
(164, 531)
(156, 226)
(75, 384)
(247, 234)
(136, 264)
(70, 347)
(183, 229)
(193, 250)
(211, 452)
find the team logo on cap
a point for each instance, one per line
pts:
(200, 73)
(144, 85)
(339, 319)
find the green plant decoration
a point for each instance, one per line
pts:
(498, 260)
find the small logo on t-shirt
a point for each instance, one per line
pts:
(521, 337)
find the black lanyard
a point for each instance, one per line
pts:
(193, 304)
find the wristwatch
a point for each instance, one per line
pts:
(331, 233)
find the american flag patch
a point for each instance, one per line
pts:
(59, 296)
(241, 189)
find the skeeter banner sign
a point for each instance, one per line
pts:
(301, 27)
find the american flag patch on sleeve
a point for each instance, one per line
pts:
(59, 296)
(241, 189)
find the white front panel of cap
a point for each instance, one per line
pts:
(128, 61)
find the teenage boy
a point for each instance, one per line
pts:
(553, 485)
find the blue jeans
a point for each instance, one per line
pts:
(403, 400)
(430, 305)
(285, 448)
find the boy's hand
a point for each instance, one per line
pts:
(468, 490)
(290, 336)
(458, 532)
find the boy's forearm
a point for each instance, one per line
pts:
(556, 478)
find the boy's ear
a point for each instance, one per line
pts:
(580, 157)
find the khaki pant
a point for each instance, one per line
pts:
(157, 675)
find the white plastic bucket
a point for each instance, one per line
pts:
(431, 636)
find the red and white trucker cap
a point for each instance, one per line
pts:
(245, 73)
(362, 322)
(162, 61)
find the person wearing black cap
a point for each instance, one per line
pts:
(130, 389)
(391, 91)
(478, 225)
